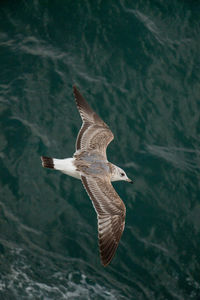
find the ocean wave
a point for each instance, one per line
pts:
(176, 156)
(21, 283)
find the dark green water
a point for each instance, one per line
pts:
(137, 63)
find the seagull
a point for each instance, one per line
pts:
(89, 164)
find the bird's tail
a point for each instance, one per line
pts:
(47, 162)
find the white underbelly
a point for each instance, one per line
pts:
(67, 167)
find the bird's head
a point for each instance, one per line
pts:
(120, 174)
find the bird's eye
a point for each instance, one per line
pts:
(122, 174)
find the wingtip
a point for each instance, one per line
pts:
(107, 260)
(76, 92)
(105, 264)
(75, 88)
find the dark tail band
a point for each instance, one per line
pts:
(47, 162)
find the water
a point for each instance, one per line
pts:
(137, 63)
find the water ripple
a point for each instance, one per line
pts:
(177, 156)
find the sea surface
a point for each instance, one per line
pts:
(138, 65)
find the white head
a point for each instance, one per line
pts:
(120, 174)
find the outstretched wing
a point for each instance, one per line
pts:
(94, 133)
(111, 213)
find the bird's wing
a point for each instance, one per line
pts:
(94, 133)
(110, 211)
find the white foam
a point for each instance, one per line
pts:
(23, 283)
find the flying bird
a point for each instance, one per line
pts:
(89, 163)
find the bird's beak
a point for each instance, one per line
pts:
(130, 181)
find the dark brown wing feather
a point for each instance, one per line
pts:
(111, 213)
(94, 133)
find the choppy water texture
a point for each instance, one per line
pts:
(137, 63)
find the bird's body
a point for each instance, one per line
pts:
(89, 163)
